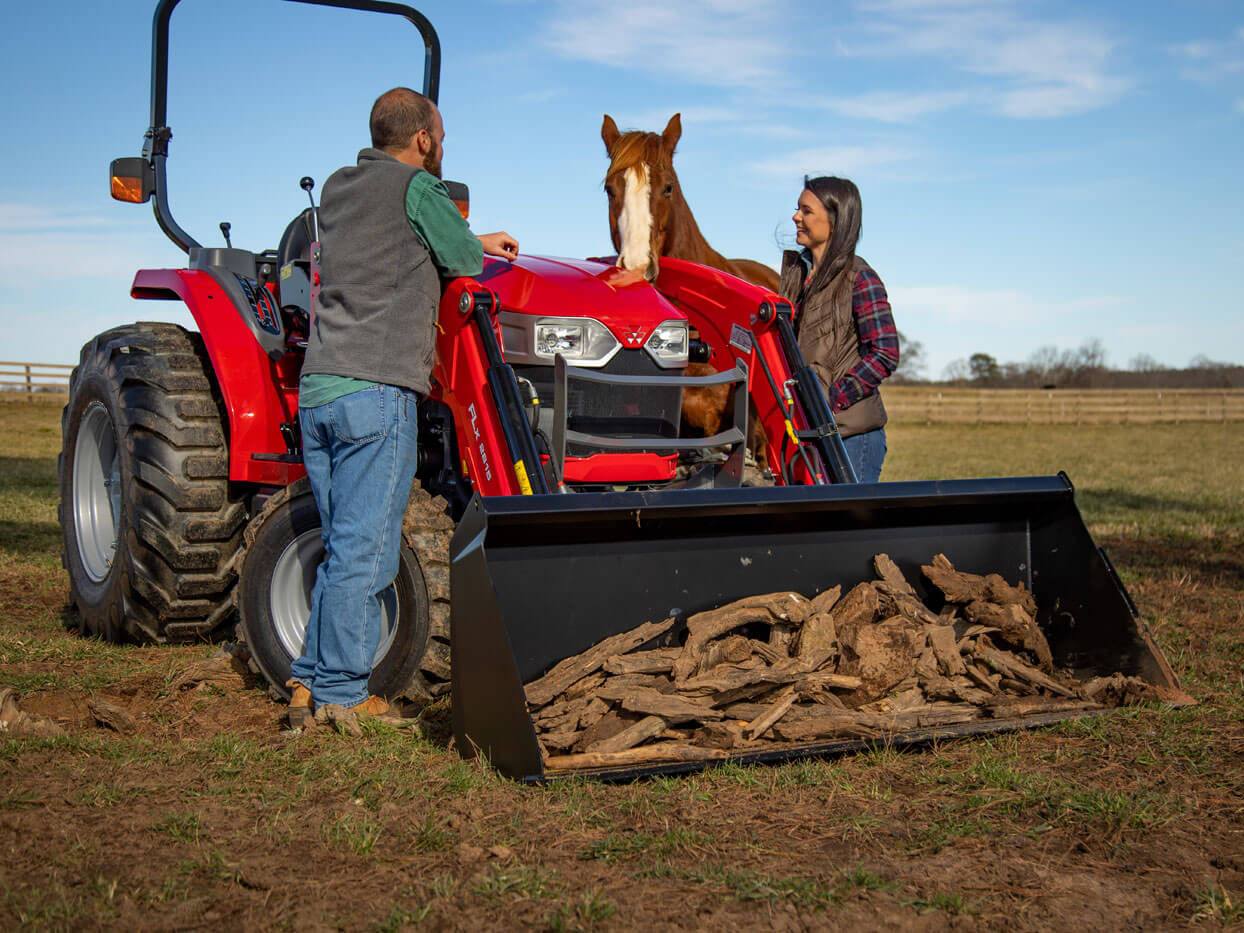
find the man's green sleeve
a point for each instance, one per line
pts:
(455, 250)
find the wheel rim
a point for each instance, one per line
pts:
(96, 492)
(293, 579)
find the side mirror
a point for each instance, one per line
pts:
(132, 180)
(460, 194)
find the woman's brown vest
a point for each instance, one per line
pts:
(830, 343)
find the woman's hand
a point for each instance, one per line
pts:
(500, 244)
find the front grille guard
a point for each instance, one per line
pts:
(735, 437)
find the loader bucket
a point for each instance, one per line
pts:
(536, 579)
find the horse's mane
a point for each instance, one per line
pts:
(634, 148)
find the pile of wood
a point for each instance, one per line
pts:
(782, 670)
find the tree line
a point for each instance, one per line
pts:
(1085, 367)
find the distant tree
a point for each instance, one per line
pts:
(911, 361)
(983, 368)
(1091, 355)
(1201, 361)
(1144, 363)
(957, 371)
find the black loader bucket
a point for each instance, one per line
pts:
(537, 579)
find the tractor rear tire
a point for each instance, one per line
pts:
(283, 550)
(150, 531)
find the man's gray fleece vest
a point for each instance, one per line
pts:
(376, 315)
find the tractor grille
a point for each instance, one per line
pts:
(612, 411)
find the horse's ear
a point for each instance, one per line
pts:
(609, 133)
(673, 133)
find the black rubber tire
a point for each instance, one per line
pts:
(288, 515)
(178, 531)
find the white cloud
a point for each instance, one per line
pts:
(29, 218)
(895, 107)
(957, 304)
(1040, 68)
(720, 43)
(833, 160)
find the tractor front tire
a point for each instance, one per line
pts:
(284, 549)
(150, 531)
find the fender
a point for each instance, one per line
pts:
(259, 394)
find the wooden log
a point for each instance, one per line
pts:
(1015, 626)
(653, 661)
(606, 727)
(593, 713)
(584, 686)
(942, 641)
(733, 649)
(661, 751)
(839, 724)
(567, 672)
(881, 655)
(959, 587)
(894, 602)
(703, 627)
(660, 682)
(724, 734)
(559, 709)
(669, 706)
(860, 606)
(888, 571)
(981, 679)
(824, 602)
(1120, 690)
(632, 735)
(781, 705)
(559, 741)
(780, 638)
(818, 640)
(1017, 707)
(1006, 663)
(830, 680)
(723, 680)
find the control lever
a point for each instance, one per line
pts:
(225, 227)
(308, 184)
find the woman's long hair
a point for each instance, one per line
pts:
(842, 199)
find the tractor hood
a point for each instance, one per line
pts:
(547, 287)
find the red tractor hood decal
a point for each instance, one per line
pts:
(546, 287)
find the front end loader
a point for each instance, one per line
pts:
(559, 499)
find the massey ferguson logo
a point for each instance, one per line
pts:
(634, 338)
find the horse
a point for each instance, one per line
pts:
(649, 218)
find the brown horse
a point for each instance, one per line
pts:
(648, 215)
(649, 218)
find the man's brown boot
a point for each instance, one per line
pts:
(299, 712)
(345, 719)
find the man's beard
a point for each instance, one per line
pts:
(432, 164)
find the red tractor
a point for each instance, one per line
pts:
(182, 471)
(551, 441)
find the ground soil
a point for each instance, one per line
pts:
(210, 816)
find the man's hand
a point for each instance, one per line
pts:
(500, 244)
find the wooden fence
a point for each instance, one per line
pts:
(34, 380)
(934, 405)
(913, 404)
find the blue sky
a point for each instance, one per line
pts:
(1033, 172)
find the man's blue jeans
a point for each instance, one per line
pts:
(867, 452)
(360, 452)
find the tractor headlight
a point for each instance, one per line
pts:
(580, 340)
(668, 344)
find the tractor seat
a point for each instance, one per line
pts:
(296, 240)
(294, 264)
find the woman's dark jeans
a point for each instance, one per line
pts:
(867, 452)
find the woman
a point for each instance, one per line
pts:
(842, 317)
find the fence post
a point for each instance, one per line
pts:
(30, 386)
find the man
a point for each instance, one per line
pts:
(389, 233)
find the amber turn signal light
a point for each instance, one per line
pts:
(132, 180)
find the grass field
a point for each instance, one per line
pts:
(209, 817)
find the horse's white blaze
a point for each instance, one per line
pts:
(635, 220)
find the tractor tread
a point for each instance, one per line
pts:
(181, 530)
